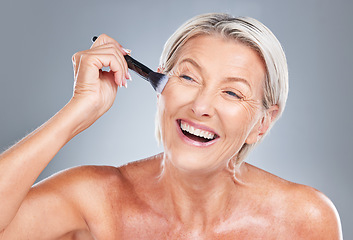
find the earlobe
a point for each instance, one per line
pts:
(256, 132)
(160, 69)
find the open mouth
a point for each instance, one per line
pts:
(196, 134)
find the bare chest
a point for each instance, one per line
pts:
(134, 224)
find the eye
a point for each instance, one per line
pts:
(186, 77)
(233, 94)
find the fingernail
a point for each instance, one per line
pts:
(129, 76)
(128, 51)
(125, 83)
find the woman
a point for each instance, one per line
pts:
(227, 86)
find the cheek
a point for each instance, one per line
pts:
(170, 105)
(238, 118)
(176, 95)
(251, 110)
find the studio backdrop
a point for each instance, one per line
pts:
(311, 144)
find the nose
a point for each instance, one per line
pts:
(203, 105)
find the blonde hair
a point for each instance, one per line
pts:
(248, 31)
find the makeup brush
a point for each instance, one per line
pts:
(157, 80)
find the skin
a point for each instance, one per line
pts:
(187, 192)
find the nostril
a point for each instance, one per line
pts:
(203, 104)
(202, 111)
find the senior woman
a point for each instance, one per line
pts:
(227, 86)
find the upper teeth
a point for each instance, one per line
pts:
(195, 131)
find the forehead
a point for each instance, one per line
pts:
(220, 56)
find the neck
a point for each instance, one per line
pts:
(199, 199)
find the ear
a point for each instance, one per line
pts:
(160, 69)
(262, 125)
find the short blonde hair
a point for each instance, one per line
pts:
(248, 31)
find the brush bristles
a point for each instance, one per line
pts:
(158, 81)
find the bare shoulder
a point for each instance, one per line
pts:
(93, 198)
(304, 209)
(83, 187)
(315, 211)
(79, 181)
(94, 182)
(63, 204)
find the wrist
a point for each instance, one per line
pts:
(78, 115)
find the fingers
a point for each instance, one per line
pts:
(104, 52)
(104, 39)
(105, 60)
(118, 66)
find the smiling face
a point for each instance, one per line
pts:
(211, 104)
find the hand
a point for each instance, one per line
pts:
(96, 88)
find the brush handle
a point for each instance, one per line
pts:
(138, 67)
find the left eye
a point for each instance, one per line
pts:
(232, 94)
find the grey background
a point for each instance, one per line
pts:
(311, 144)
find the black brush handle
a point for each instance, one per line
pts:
(137, 67)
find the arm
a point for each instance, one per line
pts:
(94, 94)
(21, 165)
(64, 205)
(47, 212)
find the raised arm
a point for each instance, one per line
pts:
(20, 166)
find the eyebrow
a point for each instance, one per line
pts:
(237, 79)
(193, 62)
(229, 79)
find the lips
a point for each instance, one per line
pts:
(196, 134)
